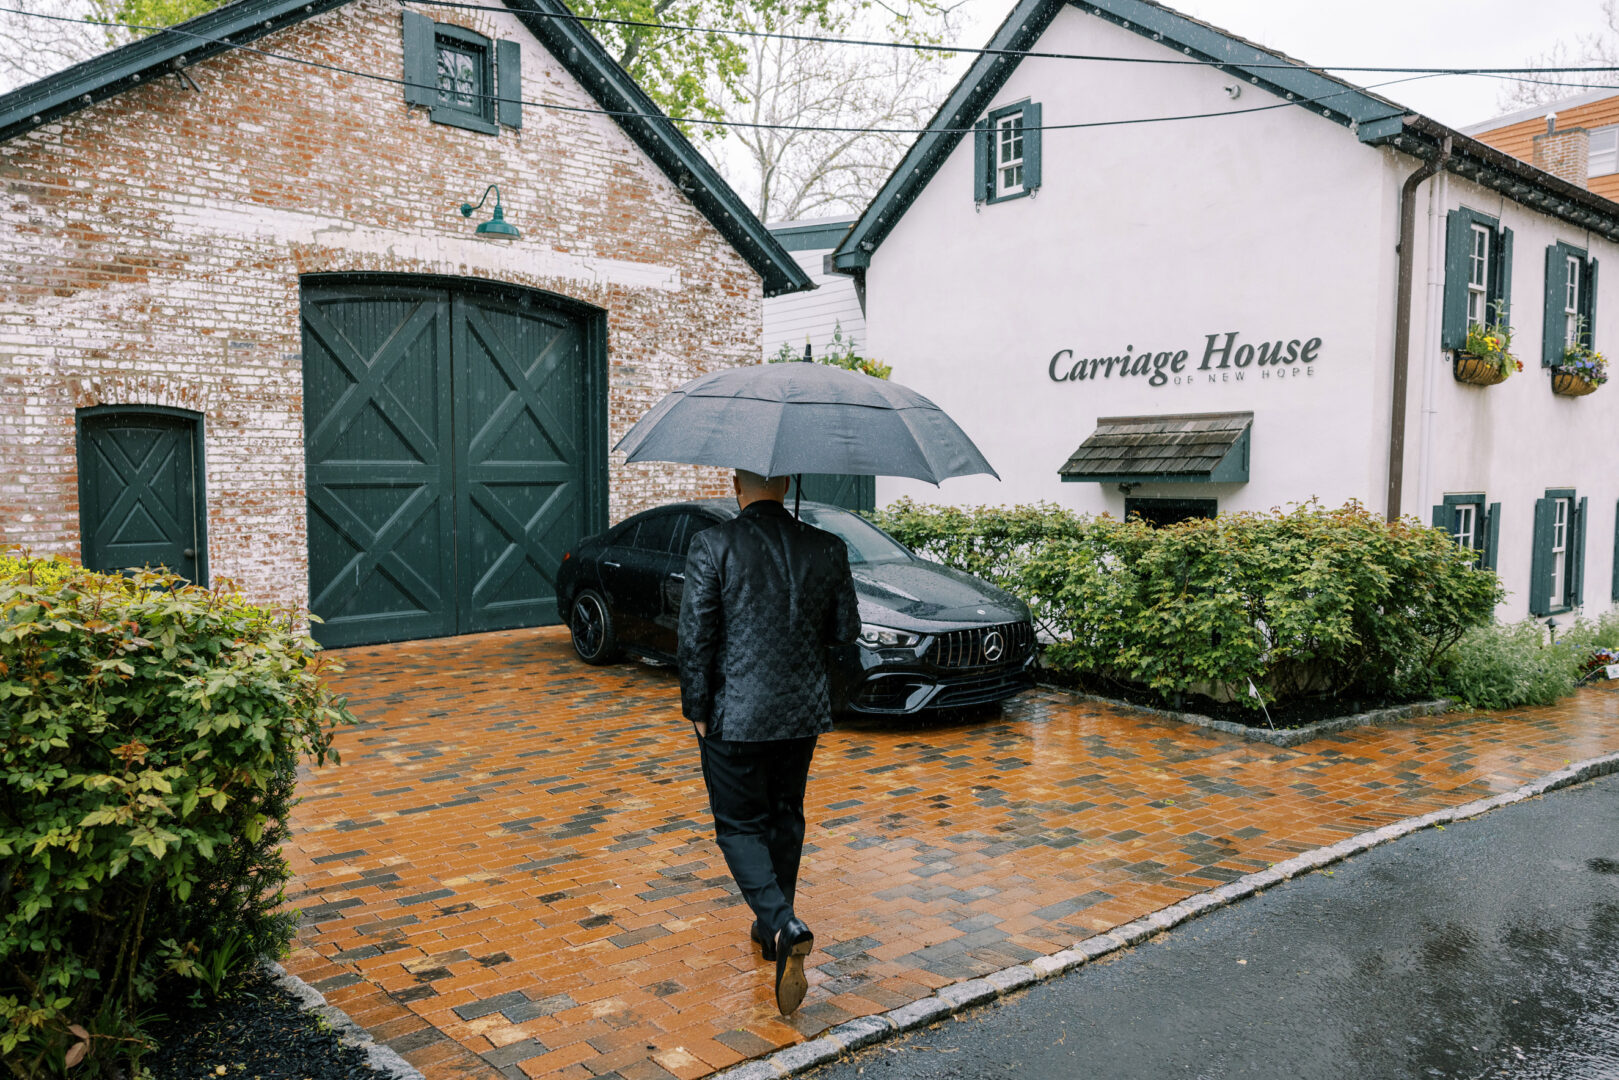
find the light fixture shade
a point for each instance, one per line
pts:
(497, 225)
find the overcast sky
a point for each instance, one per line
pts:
(1427, 33)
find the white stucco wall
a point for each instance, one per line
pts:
(1277, 224)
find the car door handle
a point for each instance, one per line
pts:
(614, 565)
(677, 577)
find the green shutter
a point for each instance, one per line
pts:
(1590, 303)
(421, 74)
(1540, 565)
(1501, 283)
(983, 168)
(509, 76)
(1031, 146)
(1492, 536)
(1576, 555)
(1444, 517)
(1616, 552)
(1551, 328)
(1458, 246)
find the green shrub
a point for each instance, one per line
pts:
(1504, 666)
(151, 732)
(1308, 602)
(39, 571)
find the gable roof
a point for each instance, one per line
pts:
(550, 21)
(1374, 119)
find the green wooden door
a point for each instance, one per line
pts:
(140, 501)
(520, 462)
(856, 493)
(444, 448)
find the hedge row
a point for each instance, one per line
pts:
(1303, 603)
(151, 733)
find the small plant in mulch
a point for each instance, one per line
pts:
(150, 732)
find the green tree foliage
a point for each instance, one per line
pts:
(1308, 602)
(692, 74)
(150, 734)
(133, 13)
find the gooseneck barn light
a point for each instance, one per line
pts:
(496, 225)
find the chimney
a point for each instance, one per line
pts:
(1565, 153)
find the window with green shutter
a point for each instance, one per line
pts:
(1006, 153)
(452, 71)
(1474, 525)
(1570, 304)
(1557, 566)
(1478, 275)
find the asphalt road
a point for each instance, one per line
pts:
(1488, 949)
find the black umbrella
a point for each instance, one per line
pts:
(788, 419)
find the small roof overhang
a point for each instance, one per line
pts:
(1195, 448)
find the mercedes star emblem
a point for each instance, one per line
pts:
(994, 645)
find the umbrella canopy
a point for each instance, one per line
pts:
(785, 419)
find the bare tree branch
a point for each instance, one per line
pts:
(1600, 48)
(32, 48)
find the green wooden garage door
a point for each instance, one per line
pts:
(450, 448)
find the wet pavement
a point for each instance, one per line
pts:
(513, 870)
(1488, 950)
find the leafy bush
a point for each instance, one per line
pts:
(1504, 666)
(1308, 602)
(151, 732)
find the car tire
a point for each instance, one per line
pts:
(591, 626)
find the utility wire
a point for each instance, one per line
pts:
(636, 114)
(1035, 54)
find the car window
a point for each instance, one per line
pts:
(695, 523)
(866, 543)
(658, 532)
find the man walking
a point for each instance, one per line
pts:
(766, 597)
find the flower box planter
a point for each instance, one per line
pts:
(1476, 371)
(1570, 385)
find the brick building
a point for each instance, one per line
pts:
(1576, 138)
(246, 331)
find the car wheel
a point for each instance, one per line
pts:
(591, 625)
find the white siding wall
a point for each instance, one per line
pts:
(814, 315)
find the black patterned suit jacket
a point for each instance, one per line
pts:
(766, 596)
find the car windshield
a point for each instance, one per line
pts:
(866, 543)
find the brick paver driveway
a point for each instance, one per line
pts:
(513, 869)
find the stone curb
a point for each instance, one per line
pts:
(379, 1057)
(866, 1030)
(1283, 736)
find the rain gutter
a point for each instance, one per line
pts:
(1402, 322)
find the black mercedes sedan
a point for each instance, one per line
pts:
(930, 637)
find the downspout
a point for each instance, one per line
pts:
(1402, 322)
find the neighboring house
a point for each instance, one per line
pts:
(1577, 138)
(801, 318)
(246, 332)
(1181, 317)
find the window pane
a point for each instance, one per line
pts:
(1604, 152)
(460, 76)
(657, 533)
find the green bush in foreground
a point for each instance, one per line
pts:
(151, 732)
(1311, 602)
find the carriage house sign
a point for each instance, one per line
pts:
(1226, 357)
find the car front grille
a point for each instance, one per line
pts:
(971, 648)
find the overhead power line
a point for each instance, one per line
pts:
(850, 129)
(1021, 54)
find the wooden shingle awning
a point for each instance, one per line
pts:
(1208, 448)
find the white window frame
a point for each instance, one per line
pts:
(1007, 134)
(1467, 525)
(1478, 277)
(1571, 301)
(1604, 158)
(1560, 512)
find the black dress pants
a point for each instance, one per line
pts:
(756, 793)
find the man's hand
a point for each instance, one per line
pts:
(702, 728)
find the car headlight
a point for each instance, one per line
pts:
(883, 637)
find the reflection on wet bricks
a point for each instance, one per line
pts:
(515, 857)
